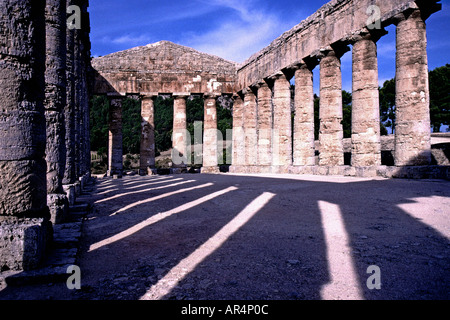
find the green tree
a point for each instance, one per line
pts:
(440, 97)
(346, 110)
(131, 126)
(347, 113)
(163, 123)
(387, 106)
(99, 119)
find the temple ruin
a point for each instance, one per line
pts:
(47, 82)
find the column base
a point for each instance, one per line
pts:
(69, 189)
(402, 172)
(23, 242)
(58, 205)
(114, 174)
(150, 171)
(178, 170)
(210, 170)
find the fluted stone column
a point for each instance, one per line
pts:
(250, 128)
(303, 144)
(331, 132)
(366, 143)
(210, 141)
(238, 133)
(179, 137)
(148, 148)
(69, 110)
(282, 122)
(55, 101)
(115, 146)
(25, 229)
(265, 122)
(70, 176)
(412, 126)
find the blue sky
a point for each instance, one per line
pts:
(235, 29)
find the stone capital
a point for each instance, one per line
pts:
(181, 95)
(261, 84)
(366, 34)
(248, 90)
(276, 76)
(211, 95)
(149, 95)
(237, 96)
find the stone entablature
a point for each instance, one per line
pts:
(333, 24)
(165, 68)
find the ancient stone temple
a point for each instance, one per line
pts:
(159, 69)
(320, 42)
(46, 82)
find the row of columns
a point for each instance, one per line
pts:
(181, 154)
(44, 124)
(262, 127)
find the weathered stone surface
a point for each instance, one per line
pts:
(250, 128)
(22, 122)
(58, 205)
(115, 160)
(23, 243)
(179, 136)
(69, 109)
(55, 93)
(331, 132)
(412, 127)
(366, 145)
(238, 158)
(282, 122)
(163, 67)
(303, 143)
(210, 138)
(148, 148)
(265, 124)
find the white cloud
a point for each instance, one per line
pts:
(240, 35)
(131, 40)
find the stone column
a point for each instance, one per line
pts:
(70, 176)
(179, 136)
(69, 110)
(366, 143)
(25, 229)
(331, 132)
(55, 101)
(115, 147)
(303, 145)
(265, 122)
(250, 127)
(210, 141)
(148, 148)
(282, 122)
(412, 124)
(78, 134)
(238, 132)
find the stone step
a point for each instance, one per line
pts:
(51, 274)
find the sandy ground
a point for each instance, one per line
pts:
(242, 237)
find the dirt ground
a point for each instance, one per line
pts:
(243, 237)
